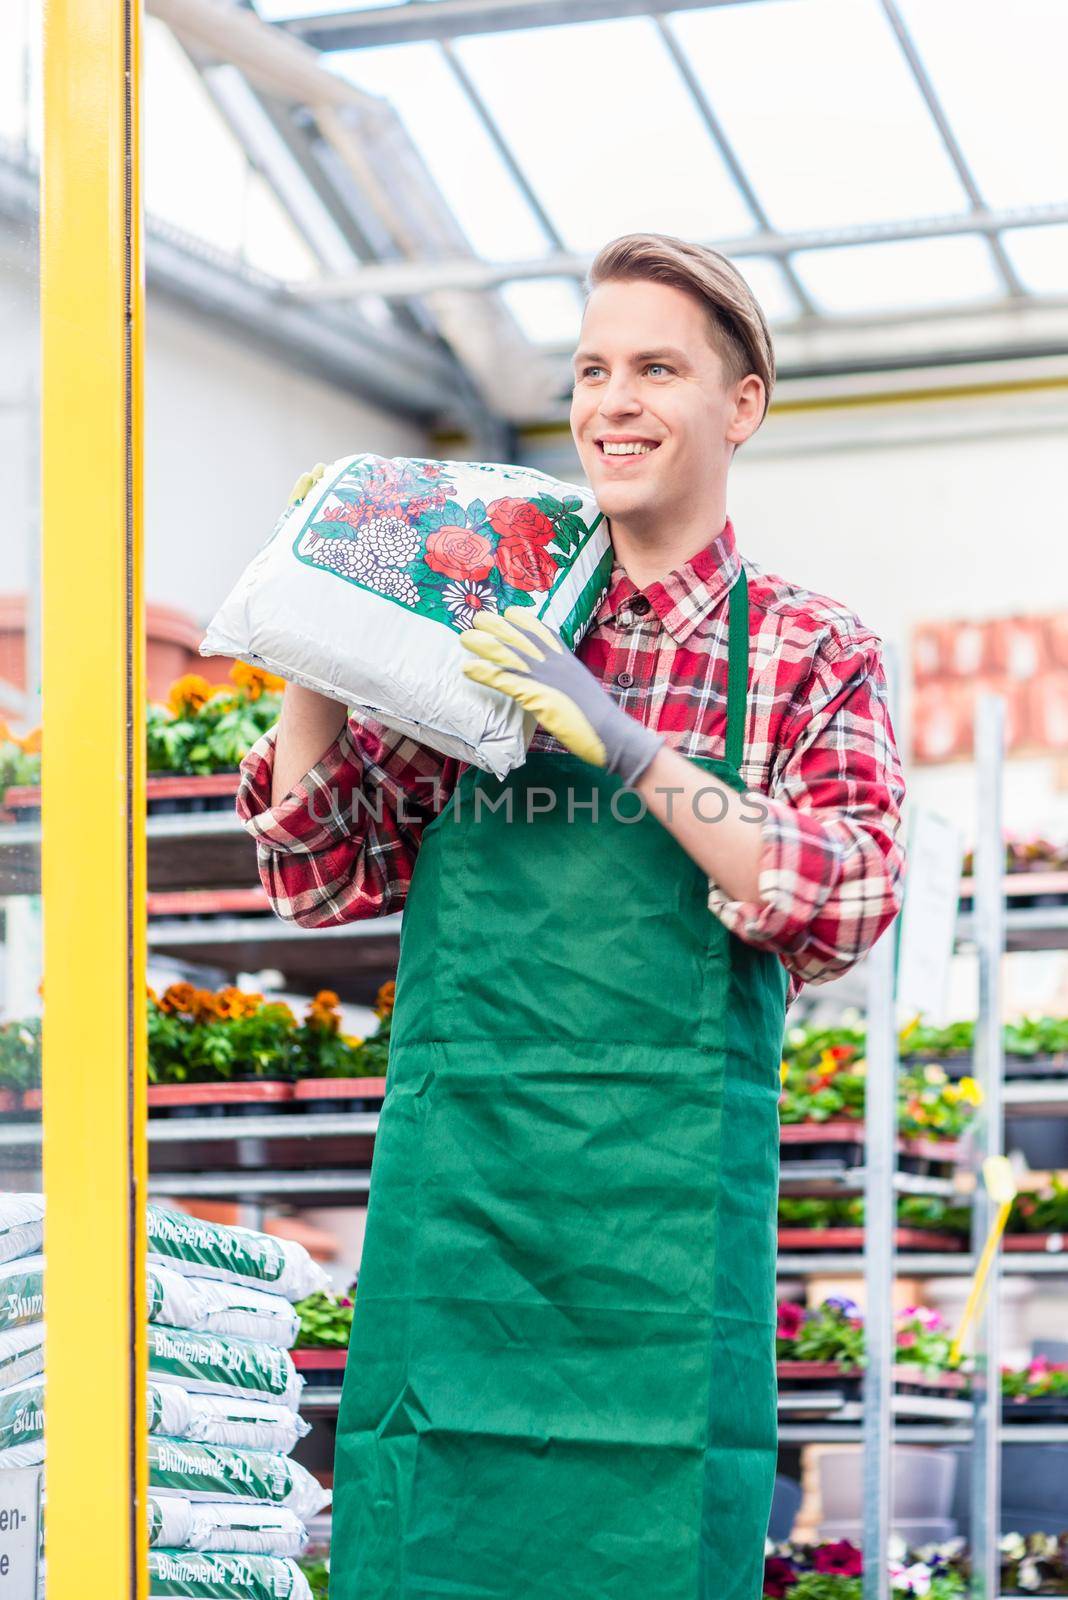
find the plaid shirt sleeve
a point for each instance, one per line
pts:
(342, 843)
(831, 872)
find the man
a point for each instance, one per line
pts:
(562, 1373)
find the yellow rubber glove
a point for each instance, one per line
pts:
(517, 654)
(306, 482)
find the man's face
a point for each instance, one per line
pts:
(646, 373)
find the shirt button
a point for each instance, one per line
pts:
(624, 679)
(639, 605)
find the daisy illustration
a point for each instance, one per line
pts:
(375, 556)
(464, 599)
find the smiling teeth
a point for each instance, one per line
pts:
(626, 449)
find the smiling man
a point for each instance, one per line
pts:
(561, 1381)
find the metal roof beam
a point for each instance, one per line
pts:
(1005, 269)
(423, 277)
(453, 19)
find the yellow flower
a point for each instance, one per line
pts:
(951, 1093)
(784, 1071)
(351, 1040)
(188, 693)
(827, 1066)
(255, 681)
(971, 1092)
(909, 1029)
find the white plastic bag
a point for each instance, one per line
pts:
(207, 1363)
(198, 1575)
(200, 1249)
(226, 1419)
(208, 1305)
(21, 1353)
(216, 1472)
(367, 581)
(22, 1424)
(21, 1225)
(21, 1292)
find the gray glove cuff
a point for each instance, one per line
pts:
(630, 745)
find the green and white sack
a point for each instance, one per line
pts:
(199, 1249)
(207, 1305)
(21, 1292)
(215, 1472)
(367, 581)
(242, 1528)
(170, 1522)
(22, 1424)
(194, 1575)
(21, 1225)
(206, 1363)
(21, 1353)
(243, 1424)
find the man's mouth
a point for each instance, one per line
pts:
(622, 450)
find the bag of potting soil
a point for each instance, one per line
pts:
(207, 1363)
(246, 1529)
(21, 1292)
(199, 1249)
(21, 1353)
(216, 1472)
(170, 1522)
(244, 1424)
(21, 1225)
(22, 1424)
(368, 579)
(197, 1575)
(207, 1305)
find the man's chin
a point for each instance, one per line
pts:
(617, 499)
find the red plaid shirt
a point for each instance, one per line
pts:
(819, 745)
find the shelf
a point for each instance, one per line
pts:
(1035, 1097)
(354, 960)
(924, 1264)
(311, 1188)
(834, 1178)
(205, 848)
(1026, 928)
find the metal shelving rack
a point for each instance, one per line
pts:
(202, 859)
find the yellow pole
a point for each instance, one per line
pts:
(93, 868)
(997, 1175)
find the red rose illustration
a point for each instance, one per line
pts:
(518, 519)
(525, 564)
(459, 553)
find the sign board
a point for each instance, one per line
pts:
(20, 1516)
(928, 916)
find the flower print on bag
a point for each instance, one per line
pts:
(459, 553)
(525, 565)
(396, 527)
(519, 519)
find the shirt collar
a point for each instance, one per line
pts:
(686, 599)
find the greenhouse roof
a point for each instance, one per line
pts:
(448, 168)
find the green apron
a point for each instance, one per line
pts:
(561, 1383)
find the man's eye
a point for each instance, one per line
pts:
(659, 365)
(587, 370)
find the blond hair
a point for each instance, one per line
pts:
(738, 329)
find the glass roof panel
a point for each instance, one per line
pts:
(279, 10)
(606, 133)
(20, 73)
(270, 242)
(766, 279)
(195, 170)
(1040, 256)
(549, 310)
(913, 274)
(1001, 80)
(822, 111)
(444, 125)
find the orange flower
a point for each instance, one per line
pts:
(237, 1003)
(326, 1000)
(205, 1006)
(178, 997)
(189, 693)
(152, 995)
(6, 735)
(385, 998)
(255, 681)
(30, 743)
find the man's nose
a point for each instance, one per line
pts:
(620, 394)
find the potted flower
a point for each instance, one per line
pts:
(20, 1066)
(1036, 1047)
(338, 1072)
(924, 1222)
(1035, 1393)
(1039, 1218)
(322, 1345)
(218, 1052)
(194, 743)
(827, 1343)
(1034, 1563)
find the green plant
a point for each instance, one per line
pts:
(317, 1572)
(209, 727)
(1043, 1210)
(913, 1211)
(20, 762)
(20, 1054)
(325, 1321)
(1038, 1381)
(1036, 1036)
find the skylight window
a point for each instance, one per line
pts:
(913, 274)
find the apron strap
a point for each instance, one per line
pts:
(737, 668)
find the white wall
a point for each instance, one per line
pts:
(228, 429)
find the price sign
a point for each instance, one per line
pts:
(928, 916)
(20, 1515)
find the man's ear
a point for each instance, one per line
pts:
(748, 409)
